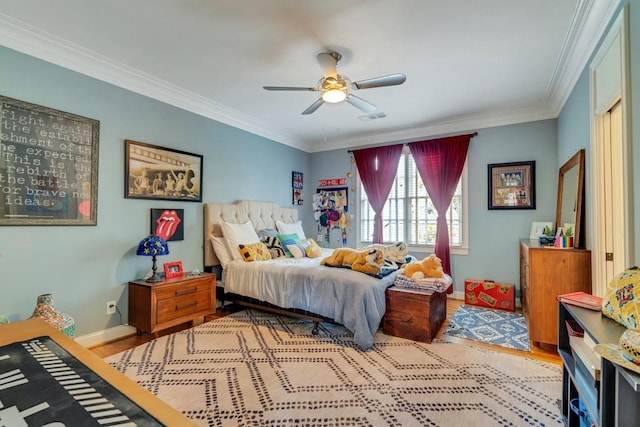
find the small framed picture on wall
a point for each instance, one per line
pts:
(296, 180)
(512, 185)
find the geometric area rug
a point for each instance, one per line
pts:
(490, 326)
(253, 368)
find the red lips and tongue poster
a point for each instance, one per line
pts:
(168, 223)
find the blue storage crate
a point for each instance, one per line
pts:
(580, 410)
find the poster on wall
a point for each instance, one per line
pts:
(48, 166)
(153, 172)
(168, 223)
(297, 184)
(330, 206)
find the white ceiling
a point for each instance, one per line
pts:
(469, 63)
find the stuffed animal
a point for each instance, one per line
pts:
(430, 266)
(392, 253)
(368, 261)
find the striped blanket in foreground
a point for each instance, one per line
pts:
(257, 369)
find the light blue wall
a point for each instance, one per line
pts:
(493, 234)
(84, 267)
(574, 126)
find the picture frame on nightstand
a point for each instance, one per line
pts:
(173, 269)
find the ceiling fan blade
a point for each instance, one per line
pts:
(328, 62)
(390, 80)
(361, 104)
(289, 88)
(313, 107)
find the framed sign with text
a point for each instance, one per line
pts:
(48, 166)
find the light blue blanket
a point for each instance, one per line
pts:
(350, 298)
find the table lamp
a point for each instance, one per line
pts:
(153, 246)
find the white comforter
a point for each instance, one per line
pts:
(352, 299)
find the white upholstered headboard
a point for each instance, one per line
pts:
(261, 214)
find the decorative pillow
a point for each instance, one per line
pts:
(267, 232)
(298, 250)
(236, 234)
(221, 250)
(295, 227)
(255, 252)
(621, 301)
(274, 246)
(313, 250)
(286, 240)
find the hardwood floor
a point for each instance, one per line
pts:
(543, 353)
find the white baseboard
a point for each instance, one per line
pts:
(456, 295)
(100, 337)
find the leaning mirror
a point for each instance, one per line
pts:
(570, 208)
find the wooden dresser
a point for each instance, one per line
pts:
(546, 272)
(161, 305)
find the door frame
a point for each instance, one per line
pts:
(612, 60)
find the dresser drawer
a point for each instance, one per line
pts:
(182, 289)
(184, 305)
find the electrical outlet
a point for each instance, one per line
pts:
(111, 307)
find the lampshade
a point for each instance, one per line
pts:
(334, 96)
(153, 246)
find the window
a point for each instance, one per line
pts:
(409, 215)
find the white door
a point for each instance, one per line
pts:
(613, 258)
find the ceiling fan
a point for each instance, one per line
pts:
(336, 88)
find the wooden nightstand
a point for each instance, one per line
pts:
(161, 305)
(415, 314)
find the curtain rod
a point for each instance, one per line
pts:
(407, 143)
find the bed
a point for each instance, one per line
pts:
(294, 286)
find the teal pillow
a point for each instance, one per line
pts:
(288, 239)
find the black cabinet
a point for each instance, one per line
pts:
(614, 400)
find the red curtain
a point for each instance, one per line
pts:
(440, 163)
(377, 168)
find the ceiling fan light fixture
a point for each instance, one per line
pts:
(333, 96)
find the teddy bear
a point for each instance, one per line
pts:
(368, 261)
(430, 266)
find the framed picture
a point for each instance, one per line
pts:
(512, 185)
(49, 168)
(153, 172)
(173, 269)
(296, 180)
(537, 228)
(297, 196)
(168, 223)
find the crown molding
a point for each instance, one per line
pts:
(454, 125)
(589, 23)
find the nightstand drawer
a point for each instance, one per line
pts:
(184, 305)
(181, 289)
